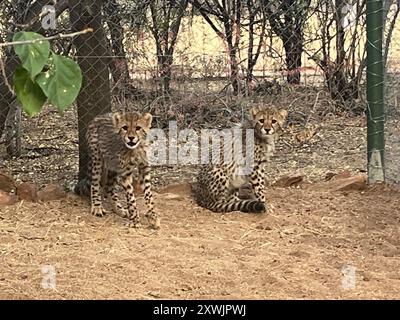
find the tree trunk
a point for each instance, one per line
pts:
(233, 63)
(288, 23)
(119, 65)
(339, 75)
(250, 58)
(164, 63)
(166, 73)
(165, 36)
(7, 98)
(293, 51)
(95, 96)
(340, 38)
(342, 89)
(234, 70)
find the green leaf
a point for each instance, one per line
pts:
(33, 55)
(28, 93)
(62, 82)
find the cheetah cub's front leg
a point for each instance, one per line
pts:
(145, 184)
(133, 214)
(111, 191)
(258, 183)
(95, 192)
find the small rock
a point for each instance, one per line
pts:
(52, 192)
(358, 182)
(7, 183)
(27, 191)
(7, 198)
(337, 176)
(329, 176)
(289, 181)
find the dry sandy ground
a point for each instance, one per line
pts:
(306, 246)
(298, 250)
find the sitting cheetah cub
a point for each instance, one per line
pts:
(117, 144)
(217, 185)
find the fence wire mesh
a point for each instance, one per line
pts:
(391, 60)
(201, 63)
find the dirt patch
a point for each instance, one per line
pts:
(299, 249)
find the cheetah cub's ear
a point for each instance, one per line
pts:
(254, 111)
(283, 115)
(117, 117)
(146, 120)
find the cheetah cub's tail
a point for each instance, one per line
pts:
(82, 188)
(251, 206)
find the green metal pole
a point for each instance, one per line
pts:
(375, 89)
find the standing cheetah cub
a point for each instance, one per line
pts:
(217, 185)
(117, 144)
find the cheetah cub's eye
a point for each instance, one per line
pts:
(274, 121)
(125, 128)
(138, 128)
(261, 120)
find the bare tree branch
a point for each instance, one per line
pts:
(57, 36)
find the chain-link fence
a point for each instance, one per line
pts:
(200, 63)
(391, 51)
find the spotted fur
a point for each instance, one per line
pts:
(117, 144)
(217, 185)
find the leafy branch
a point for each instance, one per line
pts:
(43, 75)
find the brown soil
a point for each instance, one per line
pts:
(296, 250)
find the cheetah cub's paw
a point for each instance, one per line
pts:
(121, 212)
(98, 211)
(133, 224)
(153, 220)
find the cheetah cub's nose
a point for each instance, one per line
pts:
(132, 142)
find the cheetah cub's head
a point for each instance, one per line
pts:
(267, 121)
(132, 127)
